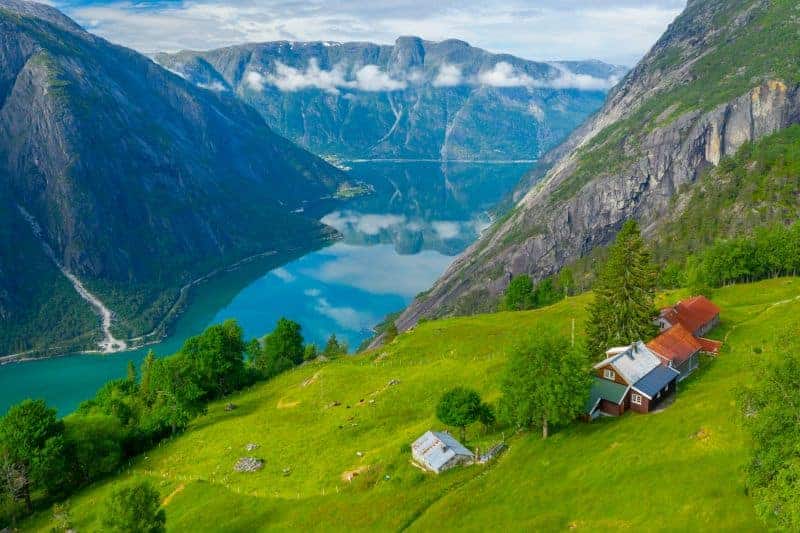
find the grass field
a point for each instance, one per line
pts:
(680, 469)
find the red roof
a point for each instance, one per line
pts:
(710, 346)
(676, 344)
(692, 314)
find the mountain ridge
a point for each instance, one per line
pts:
(706, 88)
(140, 181)
(412, 99)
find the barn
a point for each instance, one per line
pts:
(439, 451)
(678, 349)
(698, 315)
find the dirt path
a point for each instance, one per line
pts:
(174, 493)
(109, 344)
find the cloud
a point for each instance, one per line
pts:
(448, 76)
(254, 80)
(570, 80)
(379, 269)
(215, 86)
(505, 75)
(367, 224)
(312, 293)
(618, 31)
(290, 79)
(447, 230)
(283, 274)
(346, 317)
(372, 79)
(369, 78)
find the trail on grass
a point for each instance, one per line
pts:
(761, 313)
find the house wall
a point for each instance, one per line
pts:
(610, 408)
(688, 366)
(617, 378)
(643, 408)
(701, 332)
(455, 461)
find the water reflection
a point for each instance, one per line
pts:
(396, 242)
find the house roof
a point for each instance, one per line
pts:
(632, 364)
(603, 389)
(437, 448)
(655, 380)
(676, 344)
(692, 314)
(710, 346)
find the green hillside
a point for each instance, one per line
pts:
(680, 469)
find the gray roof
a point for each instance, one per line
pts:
(656, 380)
(634, 363)
(435, 449)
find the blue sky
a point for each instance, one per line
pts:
(618, 31)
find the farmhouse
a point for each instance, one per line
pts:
(698, 315)
(678, 349)
(439, 451)
(646, 381)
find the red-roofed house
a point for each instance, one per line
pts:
(679, 349)
(698, 315)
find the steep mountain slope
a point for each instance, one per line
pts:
(137, 180)
(725, 73)
(687, 459)
(415, 99)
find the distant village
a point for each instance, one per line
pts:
(641, 377)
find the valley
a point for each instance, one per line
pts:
(395, 242)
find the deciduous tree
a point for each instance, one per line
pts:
(459, 407)
(547, 382)
(135, 509)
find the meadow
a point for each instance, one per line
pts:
(335, 438)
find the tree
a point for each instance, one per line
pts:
(310, 352)
(390, 333)
(178, 397)
(547, 382)
(285, 341)
(519, 294)
(134, 509)
(566, 281)
(131, 372)
(770, 411)
(217, 358)
(459, 407)
(624, 294)
(147, 372)
(334, 348)
(32, 449)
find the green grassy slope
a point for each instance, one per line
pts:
(679, 469)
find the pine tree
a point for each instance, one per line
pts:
(623, 307)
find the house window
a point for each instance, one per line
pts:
(609, 374)
(636, 399)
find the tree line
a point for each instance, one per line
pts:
(44, 458)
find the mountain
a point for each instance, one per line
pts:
(414, 100)
(723, 75)
(120, 182)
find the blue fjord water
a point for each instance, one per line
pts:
(397, 241)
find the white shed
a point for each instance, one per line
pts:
(439, 451)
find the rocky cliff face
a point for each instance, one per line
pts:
(139, 180)
(702, 92)
(415, 99)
